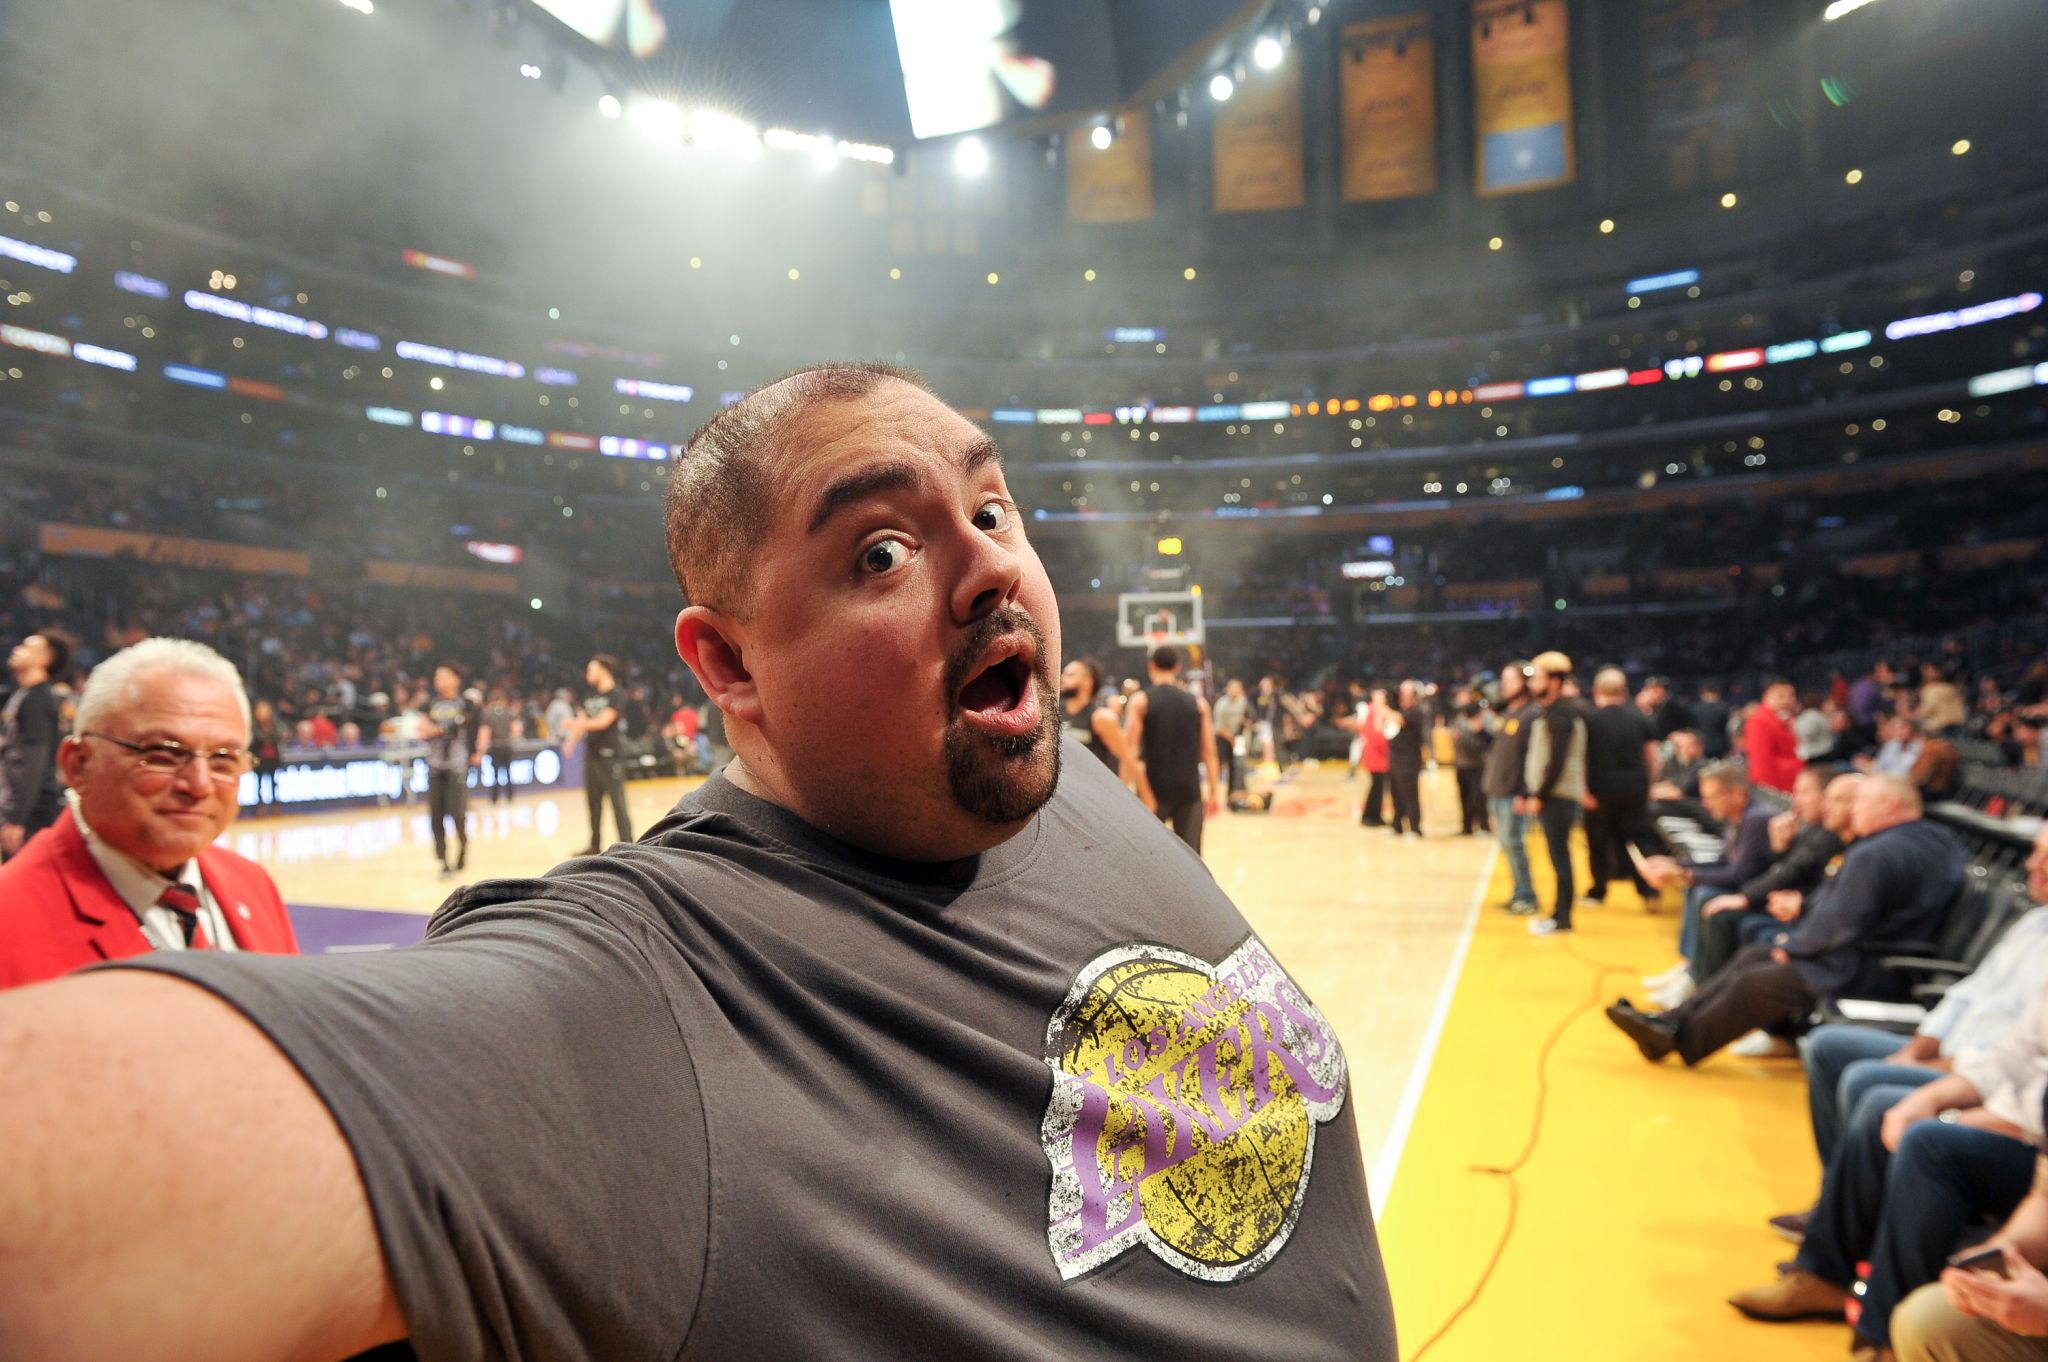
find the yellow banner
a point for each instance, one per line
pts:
(1388, 95)
(1113, 185)
(93, 541)
(442, 578)
(1258, 161)
(1522, 95)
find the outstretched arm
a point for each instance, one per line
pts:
(173, 1188)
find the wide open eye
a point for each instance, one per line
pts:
(884, 555)
(992, 516)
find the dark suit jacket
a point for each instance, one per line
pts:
(1803, 866)
(1893, 885)
(58, 913)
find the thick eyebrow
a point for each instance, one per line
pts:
(867, 482)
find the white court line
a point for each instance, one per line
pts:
(1381, 1183)
(358, 949)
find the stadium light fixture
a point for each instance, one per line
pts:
(360, 6)
(970, 158)
(1840, 8)
(1606, 226)
(529, 70)
(1728, 199)
(1961, 147)
(1101, 136)
(1221, 87)
(1853, 177)
(1267, 53)
(658, 118)
(609, 106)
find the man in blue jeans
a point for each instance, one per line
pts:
(1501, 782)
(1845, 1062)
(1914, 1172)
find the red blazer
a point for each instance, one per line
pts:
(1772, 749)
(58, 913)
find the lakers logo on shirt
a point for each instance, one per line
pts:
(1184, 1110)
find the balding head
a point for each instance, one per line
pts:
(1610, 685)
(1884, 802)
(721, 494)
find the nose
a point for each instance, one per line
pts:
(988, 579)
(194, 778)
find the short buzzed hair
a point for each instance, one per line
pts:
(720, 503)
(1610, 681)
(1729, 775)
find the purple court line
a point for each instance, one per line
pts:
(351, 931)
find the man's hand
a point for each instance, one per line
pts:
(1920, 1050)
(2018, 1304)
(1663, 871)
(1783, 827)
(1664, 792)
(1780, 956)
(1907, 1112)
(1590, 802)
(1723, 903)
(1525, 806)
(12, 835)
(1785, 904)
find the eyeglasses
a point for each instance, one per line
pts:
(223, 764)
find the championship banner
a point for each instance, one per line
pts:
(1522, 95)
(1114, 185)
(442, 578)
(1697, 56)
(1258, 158)
(1388, 100)
(93, 541)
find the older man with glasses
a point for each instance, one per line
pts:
(154, 764)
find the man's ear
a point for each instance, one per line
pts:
(71, 760)
(713, 646)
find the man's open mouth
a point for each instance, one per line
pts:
(1001, 683)
(999, 694)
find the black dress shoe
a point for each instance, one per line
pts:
(1654, 1036)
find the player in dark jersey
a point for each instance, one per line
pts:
(456, 738)
(1174, 739)
(601, 722)
(1086, 717)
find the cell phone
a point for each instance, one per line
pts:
(1991, 1260)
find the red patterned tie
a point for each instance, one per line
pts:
(185, 904)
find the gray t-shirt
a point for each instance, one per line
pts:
(741, 1091)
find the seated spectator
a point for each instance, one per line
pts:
(1996, 1316)
(1942, 711)
(1844, 1061)
(1895, 883)
(1805, 840)
(1898, 750)
(1678, 778)
(1812, 729)
(1938, 772)
(154, 764)
(1745, 854)
(1915, 1169)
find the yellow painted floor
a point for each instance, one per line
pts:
(1641, 1192)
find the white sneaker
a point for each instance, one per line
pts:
(1762, 1045)
(1668, 977)
(1671, 995)
(1545, 926)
